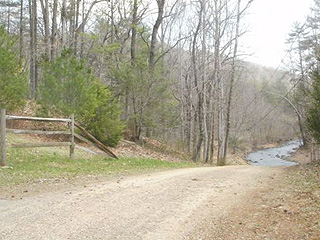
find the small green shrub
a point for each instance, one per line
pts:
(105, 123)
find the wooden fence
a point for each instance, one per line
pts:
(4, 130)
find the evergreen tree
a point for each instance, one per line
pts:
(68, 86)
(314, 109)
(13, 80)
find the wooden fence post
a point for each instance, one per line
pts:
(3, 136)
(72, 136)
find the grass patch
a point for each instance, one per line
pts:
(307, 177)
(305, 185)
(36, 164)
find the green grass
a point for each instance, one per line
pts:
(30, 165)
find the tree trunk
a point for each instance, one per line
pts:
(82, 29)
(76, 29)
(45, 15)
(54, 29)
(63, 23)
(232, 80)
(212, 142)
(33, 47)
(197, 150)
(217, 78)
(155, 30)
(72, 28)
(134, 26)
(112, 21)
(204, 82)
(21, 32)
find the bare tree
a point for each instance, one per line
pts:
(233, 76)
(45, 14)
(33, 48)
(21, 31)
(54, 30)
(160, 4)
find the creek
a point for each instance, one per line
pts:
(277, 156)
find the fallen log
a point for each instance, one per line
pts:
(96, 142)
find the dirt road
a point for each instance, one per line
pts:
(175, 204)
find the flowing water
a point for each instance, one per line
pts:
(275, 156)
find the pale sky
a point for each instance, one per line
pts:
(269, 23)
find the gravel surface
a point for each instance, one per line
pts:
(175, 204)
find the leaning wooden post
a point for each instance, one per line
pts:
(72, 136)
(3, 136)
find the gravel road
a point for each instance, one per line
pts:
(173, 204)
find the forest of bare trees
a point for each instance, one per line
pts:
(176, 68)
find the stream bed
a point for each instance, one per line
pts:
(275, 156)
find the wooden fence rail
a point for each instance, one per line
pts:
(4, 130)
(8, 117)
(71, 123)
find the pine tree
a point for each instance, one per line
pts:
(68, 86)
(13, 80)
(313, 120)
